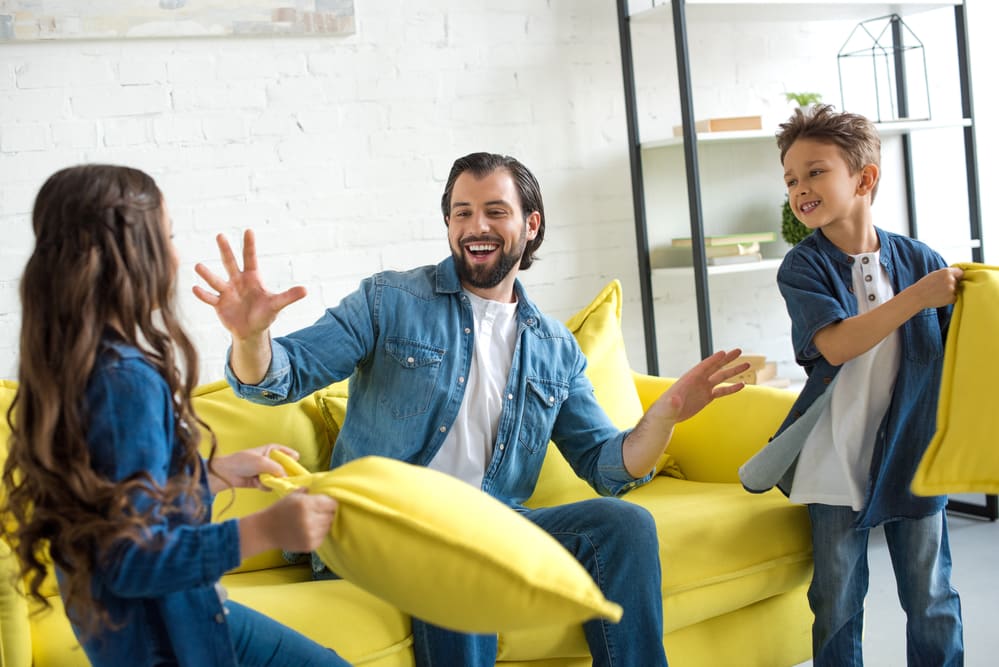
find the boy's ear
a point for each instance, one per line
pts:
(868, 179)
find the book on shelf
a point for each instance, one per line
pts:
(732, 249)
(726, 260)
(724, 124)
(742, 238)
(760, 370)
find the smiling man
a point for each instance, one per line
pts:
(453, 367)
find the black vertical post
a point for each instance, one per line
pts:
(902, 101)
(693, 176)
(967, 111)
(638, 190)
(990, 510)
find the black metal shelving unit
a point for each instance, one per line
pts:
(990, 509)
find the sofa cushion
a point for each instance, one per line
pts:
(239, 424)
(456, 557)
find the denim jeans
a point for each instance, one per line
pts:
(617, 543)
(261, 641)
(920, 558)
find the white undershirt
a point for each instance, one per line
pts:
(468, 448)
(834, 464)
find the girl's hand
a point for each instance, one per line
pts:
(242, 469)
(298, 522)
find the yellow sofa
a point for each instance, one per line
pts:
(735, 565)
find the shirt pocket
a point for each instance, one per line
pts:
(923, 338)
(542, 402)
(412, 371)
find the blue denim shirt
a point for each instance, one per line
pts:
(406, 339)
(165, 598)
(816, 282)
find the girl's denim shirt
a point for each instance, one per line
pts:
(164, 597)
(816, 282)
(406, 339)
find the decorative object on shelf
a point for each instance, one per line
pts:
(729, 124)
(742, 248)
(804, 100)
(791, 229)
(882, 71)
(760, 371)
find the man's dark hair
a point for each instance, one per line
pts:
(481, 165)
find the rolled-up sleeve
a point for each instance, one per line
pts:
(811, 302)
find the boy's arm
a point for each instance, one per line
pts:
(847, 339)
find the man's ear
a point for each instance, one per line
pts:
(447, 221)
(868, 179)
(533, 223)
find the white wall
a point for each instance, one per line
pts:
(335, 149)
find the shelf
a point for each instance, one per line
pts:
(886, 129)
(782, 10)
(677, 271)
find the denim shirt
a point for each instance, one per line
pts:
(816, 282)
(406, 339)
(165, 599)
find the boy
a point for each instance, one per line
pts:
(869, 312)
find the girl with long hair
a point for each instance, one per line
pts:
(104, 473)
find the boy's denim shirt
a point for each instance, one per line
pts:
(166, 598)
(816, 282)
(406, 339)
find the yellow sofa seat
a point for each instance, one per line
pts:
(735, 565)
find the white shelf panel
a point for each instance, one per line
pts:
(781, 10)
(678, 271)
(885, 129)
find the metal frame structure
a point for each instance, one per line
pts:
(990, 510)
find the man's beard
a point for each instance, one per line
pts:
(486, 277)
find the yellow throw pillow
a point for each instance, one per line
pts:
(444, 551)
(963, 457)
(597, 329)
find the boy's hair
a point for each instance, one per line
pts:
(481, 165)
(855, 135)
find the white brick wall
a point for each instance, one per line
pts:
(335, 150)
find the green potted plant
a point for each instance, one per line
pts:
(804, 99)
(791, 229)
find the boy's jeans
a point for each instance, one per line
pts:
(920, 557)
(617, 543)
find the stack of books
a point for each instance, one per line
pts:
(731, 248)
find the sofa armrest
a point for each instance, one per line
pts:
(711, 445)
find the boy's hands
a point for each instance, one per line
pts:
(939, 288)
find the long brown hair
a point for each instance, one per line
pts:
(102, 258)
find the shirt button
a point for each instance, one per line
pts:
(868, 278)
(866, 260)
(501, 446)
(849, 260)
(461, 380)
(267, 394)
(850, 289)
(509, 397)
(443, 429)
(410, 360)
(219, 618)
(870, 297)
(826, 380)
(551, 399)
(467, 330)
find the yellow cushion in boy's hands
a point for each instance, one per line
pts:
(444, 551)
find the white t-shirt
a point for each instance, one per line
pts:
(468, 448)
(834, 464)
